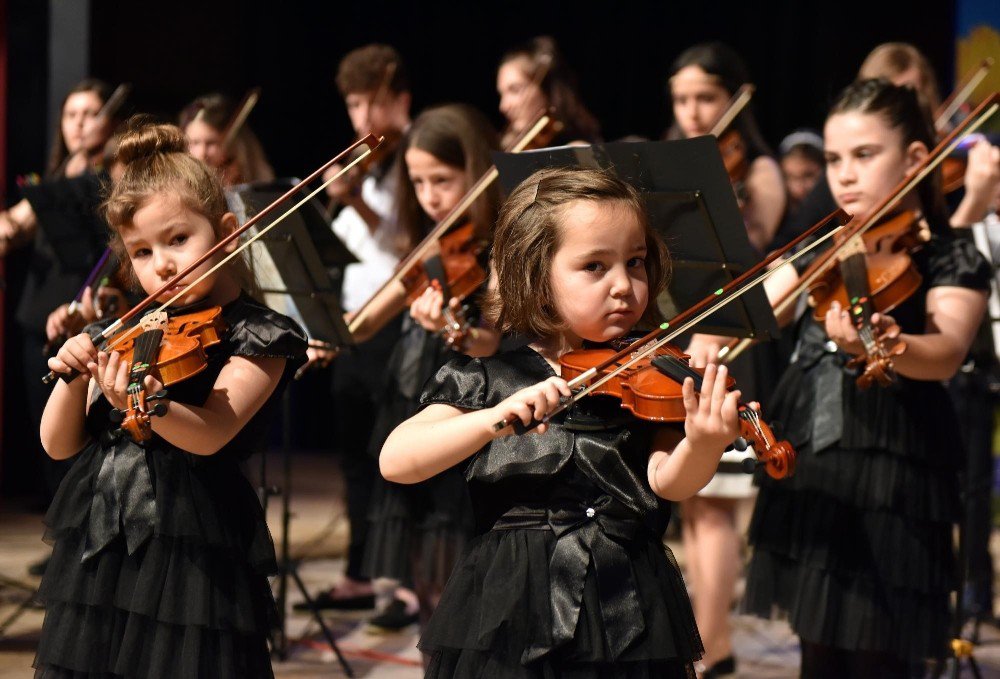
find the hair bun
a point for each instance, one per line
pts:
(144, 140)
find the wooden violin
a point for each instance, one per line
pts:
(650, 389)
(953, 168)
(169, 348)
(731, 144)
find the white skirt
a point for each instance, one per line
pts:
(728, 484)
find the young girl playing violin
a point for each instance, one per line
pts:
(206, 122)
(567, 572)
(857, 546)
(417, 531)
(161, 550)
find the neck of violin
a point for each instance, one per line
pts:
(854, 270)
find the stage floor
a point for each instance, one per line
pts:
(765, 650)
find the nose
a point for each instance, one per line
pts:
(846, 172)
(428, 196)
(163, 264)
(621, 283)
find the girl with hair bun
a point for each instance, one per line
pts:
(161, 552)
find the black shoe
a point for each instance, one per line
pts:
(38, 568)
(324, 602)
(392, 619)
(724, 668)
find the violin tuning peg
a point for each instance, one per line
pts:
(159, 410)
(116, 416)
(750, 465)
(161, 394)
(740, 444)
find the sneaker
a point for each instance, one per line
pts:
(393, 619)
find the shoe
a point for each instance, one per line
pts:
(38, 568)
(324, 602)
(393, 619)
(724, 668)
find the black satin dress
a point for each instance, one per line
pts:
(856, 547)
(160, 556)
(567, 574)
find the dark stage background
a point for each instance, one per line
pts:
(799, 53)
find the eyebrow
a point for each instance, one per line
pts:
(608, 251)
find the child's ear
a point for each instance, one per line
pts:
(228, 224)
(915, 154)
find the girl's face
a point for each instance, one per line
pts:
(598, 271)
(865, 159)
(438, 186)
(521, 99)
(204, 142)
(164, 238)
(801, 174)
(79, 111)
(698, 100)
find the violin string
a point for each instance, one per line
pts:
(260, 233)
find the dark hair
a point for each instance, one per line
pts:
(368, 68)
(528, 235)
(461, 137)
(155, 161)
(722, 62)
(806, 143)
(559, 84)
(59, 153)
(901, 108)
(217, 110)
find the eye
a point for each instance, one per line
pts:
(140, 253)
(594, 267)
(831, 160)
(636, 261)
(179, 239)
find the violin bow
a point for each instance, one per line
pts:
(735, 106)
(957, 98)
(369, 141)
(449, 220)
(647, 345)
(239, 118)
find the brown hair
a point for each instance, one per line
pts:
(558, 83)
(217, 110)
(461, 137)
(57, 157)
(890, 59)
(528, 235)
(155, 161)
(367, 68)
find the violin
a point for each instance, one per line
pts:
(953, 168)
(650, 389)
(731, 144)
(171, 349)
(455, 268)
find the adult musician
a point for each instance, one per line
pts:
(376, 91)
(857, 546)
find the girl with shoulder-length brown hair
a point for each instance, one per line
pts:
(566, 574)
(204, 122)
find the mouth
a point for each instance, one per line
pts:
(849, 197)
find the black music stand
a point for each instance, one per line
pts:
(691, 204)
(298, 266)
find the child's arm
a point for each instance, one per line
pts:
(62, 428)
(440, 436)
(680, 467)
(242, 387)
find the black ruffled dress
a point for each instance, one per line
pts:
(160, 556)
(416, 531)
(856, 547)
(567, 574)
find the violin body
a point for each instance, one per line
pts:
(892, 275)
(734, 157)
(652, 390)
(459, 251)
